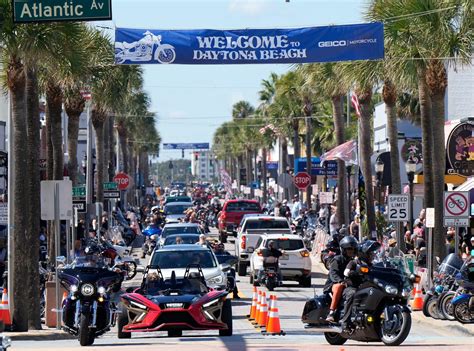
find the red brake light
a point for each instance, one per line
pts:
(243, 244)
(259, 252)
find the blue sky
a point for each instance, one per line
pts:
(192, 101)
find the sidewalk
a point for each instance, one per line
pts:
(419, 318)
(35, 335)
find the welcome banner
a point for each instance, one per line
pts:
(207, 46)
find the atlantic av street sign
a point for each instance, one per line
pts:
(61, 10)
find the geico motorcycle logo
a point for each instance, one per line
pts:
(333, 43)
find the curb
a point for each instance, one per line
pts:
(39, 335)
(419, 318)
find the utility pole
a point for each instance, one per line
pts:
(89, 170)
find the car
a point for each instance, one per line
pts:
(185, 238)
(295, 264)
(178, 228)
(178, 198)
(232, 213)
(175, 258)
(175, 211)
(249, 231)
(174, 304)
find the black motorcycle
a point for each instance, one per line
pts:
(88, 311)
(379, 310)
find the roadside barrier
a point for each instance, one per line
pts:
(273, 326)
(257, 309)
(263, 315)
(417, 303)
(5, 309)
(253, 307)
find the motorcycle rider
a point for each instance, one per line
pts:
(285, 209)
(336, 280)
(271, 256)
(367, 251)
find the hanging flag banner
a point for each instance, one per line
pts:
(207, 46)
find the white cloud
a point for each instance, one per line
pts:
(248, 7)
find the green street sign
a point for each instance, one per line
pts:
(79, 191)
(61, 10)
(110, 186)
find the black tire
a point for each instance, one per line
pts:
(241, 269)
(402, 335)
(86, 335)
(251, 278)
(270, 284)
(227, 319)
(175, 333)
(305, 282)
(460, 310)
(430, 306)
(425, 304)
(122, 320)
(335, 339)
(445, 307)
(223, 237)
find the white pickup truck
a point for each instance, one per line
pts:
(251, 228)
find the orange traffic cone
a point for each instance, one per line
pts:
(262, 317)
(253, 308)
(273, 325)
(5, 309)
(257, 309)
(417, 303)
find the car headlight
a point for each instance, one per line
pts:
(215, 280)
(390, 289)
(87, 289)
(101, 290)
(210, 303)
(73, 288)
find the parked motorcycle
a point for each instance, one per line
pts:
(463, 301)
(379, 311)
(88, 311)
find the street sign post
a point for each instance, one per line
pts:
(122, 180)
(60, 10)
(302, 180)
(80, 205)
(398, 208)
(456, 208)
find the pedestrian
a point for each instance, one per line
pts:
(297, 206)
(354, 227)
(333, 222)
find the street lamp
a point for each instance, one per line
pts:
(379, 166)
(410, 168)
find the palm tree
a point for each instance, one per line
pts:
(242, 109)
(443, 29)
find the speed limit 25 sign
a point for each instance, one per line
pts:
(398, 208)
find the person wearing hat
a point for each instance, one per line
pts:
(393, 250)
(202, 240)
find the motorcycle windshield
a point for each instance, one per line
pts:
(393, 271)
(451, 265)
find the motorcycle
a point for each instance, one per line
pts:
(269, 275)
(147, 48)
(152, 233)
(463, 301)
(379, 311)
(443, 281)
(88, 310)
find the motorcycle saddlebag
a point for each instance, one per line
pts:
(316, 310)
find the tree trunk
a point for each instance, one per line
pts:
(98, 119)
(284, 160)
(427, 138)
(309, 190)
(34, 203)
(249, 173)
(123, 159)
(437, 81)
(106, 150)
(365, 123)
(146, 169)
(133, 174)
(113, 144)
(264, 175)
(18, 268)
(74, 106)
(341, 166)
(389, 95)
(54, 100)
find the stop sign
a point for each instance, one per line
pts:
(122, 180)
(302, 180)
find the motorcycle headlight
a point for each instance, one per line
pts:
(101, 290)
(73, 288)
(215, 280)
(87, 289)
(390, 289)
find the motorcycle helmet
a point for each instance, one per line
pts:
(348, 242)
(367, 251)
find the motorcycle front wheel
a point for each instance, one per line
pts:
(462, 314)
(86, 334)
(334, 339)
(270, 284)
(397, 337)
(445, 306)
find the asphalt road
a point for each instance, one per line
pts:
(291, 299)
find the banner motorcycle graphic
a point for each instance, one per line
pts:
(460, 149)
(206, 46)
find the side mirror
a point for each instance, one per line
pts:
(224, 267)
(140, 269)
(250, 249)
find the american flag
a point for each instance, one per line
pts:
(355, 104)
